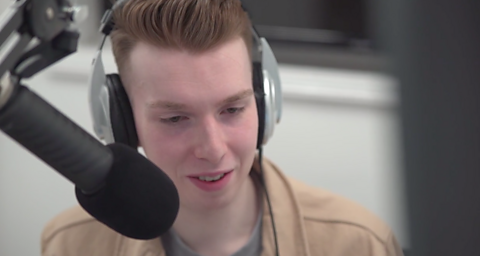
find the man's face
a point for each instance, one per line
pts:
(196, 118)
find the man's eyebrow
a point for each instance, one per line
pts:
(169, 105)
(238, 96)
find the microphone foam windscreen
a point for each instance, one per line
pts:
(137, 200)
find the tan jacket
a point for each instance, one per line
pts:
(309, 222)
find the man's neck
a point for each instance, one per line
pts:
(221, 232)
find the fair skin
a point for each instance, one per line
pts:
(196, 119)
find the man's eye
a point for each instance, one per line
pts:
(234, 110)
(174, 119)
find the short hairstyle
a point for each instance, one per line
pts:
(192, 25)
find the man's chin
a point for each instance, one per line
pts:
(202, 201)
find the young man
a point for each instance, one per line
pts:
(187, 70)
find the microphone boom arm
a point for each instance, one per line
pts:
(42, 22)
(29, 119)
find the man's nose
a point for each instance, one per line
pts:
(210, 141)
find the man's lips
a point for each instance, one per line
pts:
(211, 181)
(209, 174)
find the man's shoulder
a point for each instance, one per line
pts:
(70, 218)
(74, 218)
(332, 224)
(74, 230)
(322, 207)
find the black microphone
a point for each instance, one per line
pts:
(138, 200)
(114, 183)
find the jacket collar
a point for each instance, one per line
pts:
(291, 235)
(287, 216)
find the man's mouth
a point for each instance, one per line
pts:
(211, 182)
(211, 179)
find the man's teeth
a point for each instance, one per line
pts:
(207, 178)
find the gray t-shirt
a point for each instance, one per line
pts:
(174, 246)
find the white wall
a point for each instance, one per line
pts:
(339, 131)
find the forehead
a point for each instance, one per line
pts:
(194, 79)
(148, 63)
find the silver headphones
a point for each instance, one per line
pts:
(111, 110)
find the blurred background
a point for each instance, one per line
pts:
(339, 131)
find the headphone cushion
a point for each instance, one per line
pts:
(121, 115)
(257, 79)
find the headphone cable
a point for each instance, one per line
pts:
(260, 156)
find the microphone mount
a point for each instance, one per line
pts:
(36, 34)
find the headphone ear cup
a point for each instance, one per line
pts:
(257, 77)
(268, 78)
(121, 115)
